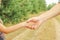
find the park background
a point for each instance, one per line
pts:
(15, 11)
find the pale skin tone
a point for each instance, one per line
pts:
(11, 28)
(37, 21)
(34, 22)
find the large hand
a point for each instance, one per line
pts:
(34, 22)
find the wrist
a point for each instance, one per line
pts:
(23, 24)
(41, 18)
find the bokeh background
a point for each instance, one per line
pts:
(15, 11)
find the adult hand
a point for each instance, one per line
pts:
(34, 23)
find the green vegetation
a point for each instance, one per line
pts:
(14, 11)
(50, 6)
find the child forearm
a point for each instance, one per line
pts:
(51, 13)
(15, 27)
(11, 28)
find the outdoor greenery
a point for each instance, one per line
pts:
(50, 6)
(14, 11)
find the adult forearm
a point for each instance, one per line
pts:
(51, 13)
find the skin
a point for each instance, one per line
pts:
(33, 22)
(37, 21)
(11, 28)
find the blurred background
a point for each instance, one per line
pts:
(15, 11)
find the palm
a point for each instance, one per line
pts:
(34, 23)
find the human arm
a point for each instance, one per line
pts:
(11, 28)
(54, 11)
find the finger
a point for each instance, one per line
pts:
(36, 26)
(29, 21)
(30, 27)
(34, 21)
(33, 26)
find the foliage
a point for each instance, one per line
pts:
(50, 6)
(17, 10)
